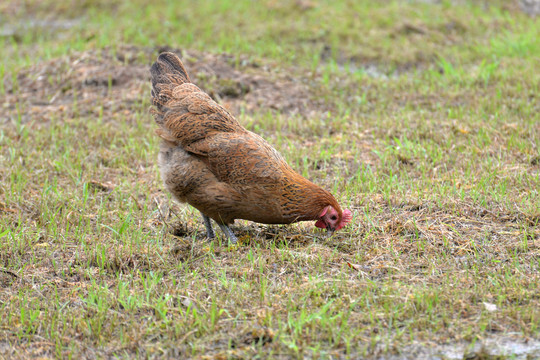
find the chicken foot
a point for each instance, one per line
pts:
(228, 232)
(210, 231)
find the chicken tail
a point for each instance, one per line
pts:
(168, 69)
(185, 114)
(167, 73)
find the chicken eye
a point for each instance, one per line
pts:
(333, 217)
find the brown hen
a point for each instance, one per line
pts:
(210, 161)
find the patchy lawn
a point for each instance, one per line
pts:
(421, 117)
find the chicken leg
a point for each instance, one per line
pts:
(210, 231)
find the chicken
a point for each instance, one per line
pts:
(213, 163)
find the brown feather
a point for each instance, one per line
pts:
(210, 161)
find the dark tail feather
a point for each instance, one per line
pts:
(167, 72)
(169, 69)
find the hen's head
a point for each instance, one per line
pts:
(332, 219)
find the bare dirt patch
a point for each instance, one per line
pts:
(119, 79)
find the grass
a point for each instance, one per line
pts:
(420, 117)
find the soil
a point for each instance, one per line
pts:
(118, 79)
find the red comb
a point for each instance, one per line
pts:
(345, 219)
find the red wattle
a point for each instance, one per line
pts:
(320, 224)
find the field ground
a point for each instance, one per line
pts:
(423, 117)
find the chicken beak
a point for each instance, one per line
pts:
(329, 231)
